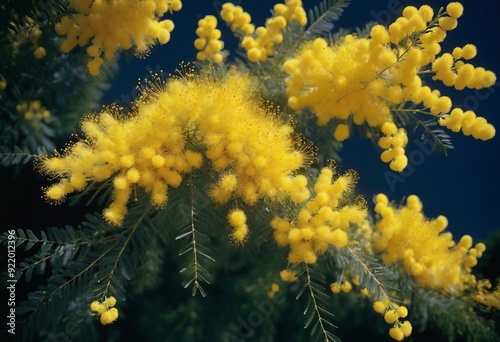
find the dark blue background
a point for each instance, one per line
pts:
(464, 185)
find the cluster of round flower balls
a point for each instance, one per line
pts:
(29, 32)
(324, 220)
(260, 43)
(392, 312)
(485, 295)
(430, 255)
(345, 285)
(239, 21)
(393, 142)
(368, 78)
(469, 123)
(341, 286)
(111, 25)
(452, 71)
(251, 152)
(106, 310)
(33, 110)
(238, 221)
(208, 42)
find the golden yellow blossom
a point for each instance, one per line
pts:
(392, 313)
(34, 112)
(237, 219)
(106, 310)
(252, 151)
(208, 42)
(107, 26)
(323, 221)
(260, 43)
(393, 141)
(28, 32)
(369, 79)
(39, 52)
(109, 316)
(238, 19)
(341, 132)
(406, 237)
(485, 295)
(288, 276)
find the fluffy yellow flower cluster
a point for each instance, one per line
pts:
(208, 42)
(341, 286)
(490, 299)
(324, 220)
(421, 247)
(392, 312)
(238, 221)
(239, 21)
(452, 71)
(369, 78)
(250, 149)
(288, 275)
(28, 32)
(261, 45)
(33, 111)
(393, 142)
(108, 314)
(110, 25)
(469, 123)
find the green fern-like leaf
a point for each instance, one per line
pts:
(194, 271)
(371, 273)
(317, 317)
(88, 263)
(323, 16)
(18, 155)
(442, 141)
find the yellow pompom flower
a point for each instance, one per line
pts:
(260, 43)
(323, 221)
(346, 286)
(109, 316)
(239, 234)
(106, 27)
(39, 52)
(369, 79)
(469, 51)
(402, 311)
(55, 192)
(288, 276)
(98, 307)
(379, 307)
(111, 301)
(422, 248)
(406, 328)
(455, 9)
(390, 316)
(106, 311)
(238, 145)
(448, 23)
(397, 333)
(208, 42)
(341, 132)
(335, 287)
(237, 217)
